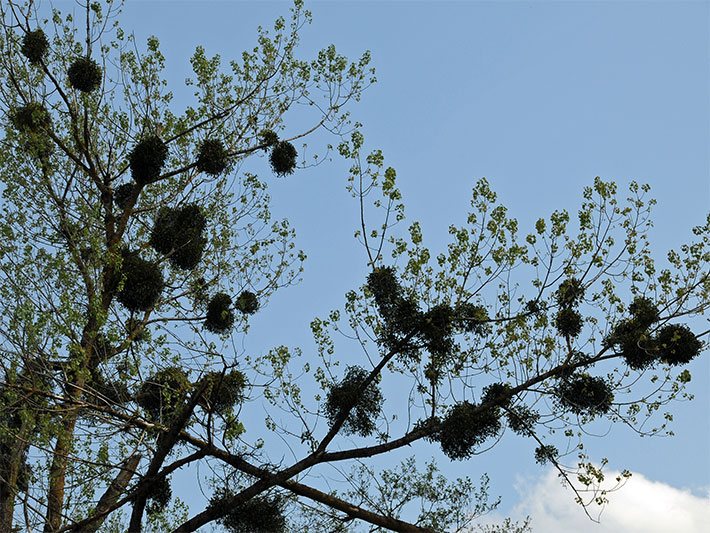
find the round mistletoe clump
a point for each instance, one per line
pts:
(159, 496)
(163, 392)
(31, 118)
(472, 318)
(283, 158)
(677, 344)
(384, 286)
(223, 391)
(633, 341)
(247, 303)
(268, 137)
(85, 74)
(437, 329)
(644, 312)
(178, 233)
(212, 157)
(259, 514)
(405, 316)
(568, 322)
(34, 46)
(631, 336)
(147, 159)
(570, 292)
(639, 349)
(496, 395)
(465, 427)
(363, 405)
(220, 317)
(122, 194)
(142, 283)
(584, 394)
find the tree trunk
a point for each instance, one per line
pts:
(10, 466)
(113, 492)
(58, 471)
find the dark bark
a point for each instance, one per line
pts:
(166, 442)
(114, 491)
(14, 451)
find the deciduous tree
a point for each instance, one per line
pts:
(136, 244)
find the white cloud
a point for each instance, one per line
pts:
(640, 506)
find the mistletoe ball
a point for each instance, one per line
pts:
(159, 496)
(31, 118)
(584, 394)
(363, 405)
(179, 234)
(465, 427)
(644, 312)
(163, 392)
(677, 344)
(34, 46)
(85, 74)
(142, 283)
(212, 157)
(472, 318)
(383, 284)
(220, 317)
(223, 391)
(283, 158)
(147, 159)
(105, 392)
(436, 327)
(122, 194)
(259, 514)
(570, 292)
(496, 395)
(268, 137)
(568, 322)
(247, 303)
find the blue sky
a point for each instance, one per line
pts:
(539, 98)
